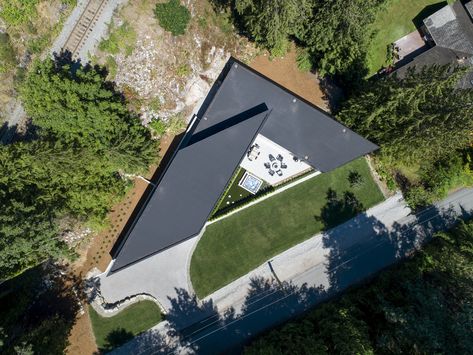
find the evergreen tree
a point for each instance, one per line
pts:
(86, 139)
(422, 117)
(270, 23)
(337, 36)
(28, 234)
(79, 107)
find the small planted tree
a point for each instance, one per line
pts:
(173, 16)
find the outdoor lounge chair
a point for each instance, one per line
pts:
(271, 158)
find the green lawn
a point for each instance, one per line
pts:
(235, 195)
(235, 245)
(393, 22)
(117, 330)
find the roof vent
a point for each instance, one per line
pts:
(306, 157)
(236, 65)
(344, 130)
(294, 100)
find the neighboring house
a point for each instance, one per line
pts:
(249, 121)
(449, 40)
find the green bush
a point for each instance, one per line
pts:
(173, 17)
(18, 12)
(123, 36)
(303, 60)
(183, 70)
(158, 127)
(112, 66)
(7, 53)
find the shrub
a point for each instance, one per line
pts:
(158, 127)
(183, 70)
(123, 36)
(173, 17)
(18, 12)
(7, 53)
(303, 60)
(112, 66)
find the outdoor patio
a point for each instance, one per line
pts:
(271, 162)
(410, 45)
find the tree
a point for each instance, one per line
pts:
(270, 23)
(421, 117)
(337, 35)
(86, 139)
(28, 235)
(78, 106)
(333, 32)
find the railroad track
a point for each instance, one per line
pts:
(81, 31)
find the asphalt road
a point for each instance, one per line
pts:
(356, 250)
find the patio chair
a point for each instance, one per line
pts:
(271, 158)
(271, 172)
(283, 166)
(267, 165)
(279, 172)
(279, 157)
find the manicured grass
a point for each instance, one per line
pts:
(397, 19)
(237, 194)
(235, 245)
(117, 330)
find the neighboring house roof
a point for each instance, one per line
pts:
(451, 29)
(243, 105)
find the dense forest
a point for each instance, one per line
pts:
(82, 140)
(422, 306)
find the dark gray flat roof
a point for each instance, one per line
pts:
(243, 105)
(300, 127)
(189, 190)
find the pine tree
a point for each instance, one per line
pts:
(421, 117)
(270, 23)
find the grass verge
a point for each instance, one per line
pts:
(235, 245)
(111, 332)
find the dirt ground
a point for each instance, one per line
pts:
(284, 71)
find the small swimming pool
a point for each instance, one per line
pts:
(250, 183)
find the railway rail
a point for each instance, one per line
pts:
(84, 26)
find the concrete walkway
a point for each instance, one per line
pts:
(298, 279)
(157, 276)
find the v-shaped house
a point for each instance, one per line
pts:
(249, 121)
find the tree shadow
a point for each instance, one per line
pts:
(364, 245)
(7, 133)
(39, 308)
(338, 210)
(357, 250)
(116, 338)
